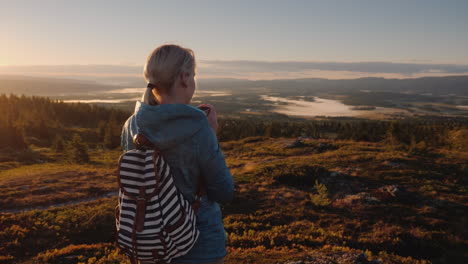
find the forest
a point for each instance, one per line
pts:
(330, 190)
(46, 120)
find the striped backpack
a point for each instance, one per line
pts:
(154, 222)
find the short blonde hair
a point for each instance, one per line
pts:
(163, 66)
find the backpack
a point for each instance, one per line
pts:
(154, 222)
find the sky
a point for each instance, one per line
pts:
(254, 32)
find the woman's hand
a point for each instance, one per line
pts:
(212, 116)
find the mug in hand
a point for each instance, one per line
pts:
(205, 109)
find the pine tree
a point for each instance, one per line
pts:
(77, 150)
(58, 144)
(13, 137)
(391, 135)
(101, 130)
(112, 135)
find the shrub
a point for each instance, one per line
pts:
(27, 156)
(321, 197)
(458, 139)
(296, 175)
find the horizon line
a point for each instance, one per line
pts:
(246, 61)
(55, 77)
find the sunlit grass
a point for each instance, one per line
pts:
(273, 218)
(57, 182)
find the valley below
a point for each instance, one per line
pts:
(324, 173)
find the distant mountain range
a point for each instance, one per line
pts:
(456, 85)
(431, 86)
(48, 86)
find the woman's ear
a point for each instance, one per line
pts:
(184, 79)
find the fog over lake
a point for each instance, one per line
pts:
(319, 107)
(91, 101)
(122, 95)
(140, 90)
(300, 106)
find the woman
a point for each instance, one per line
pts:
(187, 139)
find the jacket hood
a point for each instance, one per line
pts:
(167, 125)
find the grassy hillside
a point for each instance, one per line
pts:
(314, 200)
(316, 191)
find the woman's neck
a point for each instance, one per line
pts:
(165, 99)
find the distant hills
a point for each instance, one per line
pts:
(456, 85)
(48, 86)
(432, 86)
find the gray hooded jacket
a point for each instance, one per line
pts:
(189, 145)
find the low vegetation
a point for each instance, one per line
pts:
(309, 199)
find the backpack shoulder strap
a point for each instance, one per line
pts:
(140, 141)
